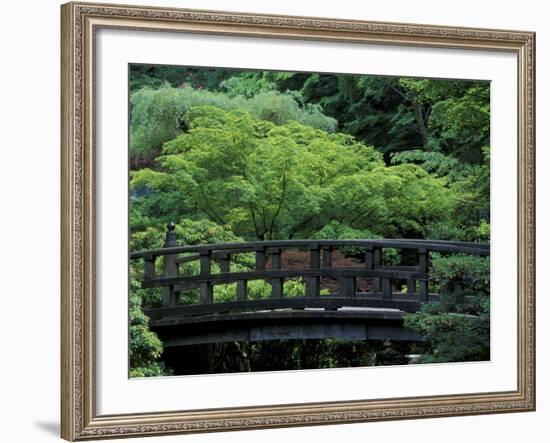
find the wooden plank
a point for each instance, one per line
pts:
(432, 245)
(369, 257)
(205, 263)
(325, 302)
(260, 258)
(397, 296)
(169, 296)
(327, 257)
(214, 254)
(314, 256)
(242, 290)
(187, 258)
(423, 266)
(398, 268)
(225, 262)
(377, 261)
(189, 282)
(206, 292)
(149, 267)
(348, 331)
(213, 320)
(423, 260)
(386, 288)
(349, 287)
(317, 330)
(169, 267)
(276, 259)
(277, 284)
(313, 282)
(313, 287)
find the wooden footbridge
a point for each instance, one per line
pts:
(346, 313)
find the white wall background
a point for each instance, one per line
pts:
(29, 196)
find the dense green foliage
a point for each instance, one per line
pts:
(392, 114)
(233, 155)
(453, 337)
(159, 115)
(271, 181)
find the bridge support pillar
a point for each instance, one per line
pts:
(206, 293)
(423, 267)
(277, 284)
(242, 290)
(350, 287)
(224, 260)
(373, 259)
(260, 258)
(170, 267)
(313, 283)
(387, 288)
(377, 261)
(327, 257)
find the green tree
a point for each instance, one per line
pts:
(155, 76)
(400, 114)
(158, 115)
(456, 329)
(145, 346)
(232, 155)
(271, 181)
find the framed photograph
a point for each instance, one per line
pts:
(282, 221)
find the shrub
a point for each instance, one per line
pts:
(456, 330)
(158, 115)
(471, 271)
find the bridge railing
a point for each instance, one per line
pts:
(320, 266)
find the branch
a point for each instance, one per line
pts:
(297, 226)
(252, 213)
(281, 198)
(397, 91)
(206, 208)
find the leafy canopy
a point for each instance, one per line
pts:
(271, 181)
(159, 115)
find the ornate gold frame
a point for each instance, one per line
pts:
(79, 420)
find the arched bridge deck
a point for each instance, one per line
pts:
(346, 313)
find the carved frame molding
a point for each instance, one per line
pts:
(79, 23)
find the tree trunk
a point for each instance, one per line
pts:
(422, 127)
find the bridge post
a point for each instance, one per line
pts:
(369, 264)
(423, 267)
(376, 261)
(277, 284)
(206, 294)
(260, 258)
(387, 288)
(313, 283)
(327, 257)
(369, 257)
(242, 285)
(242, 290)
(225, 262)
(170, 267)
(149, 270)
(350, 287)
